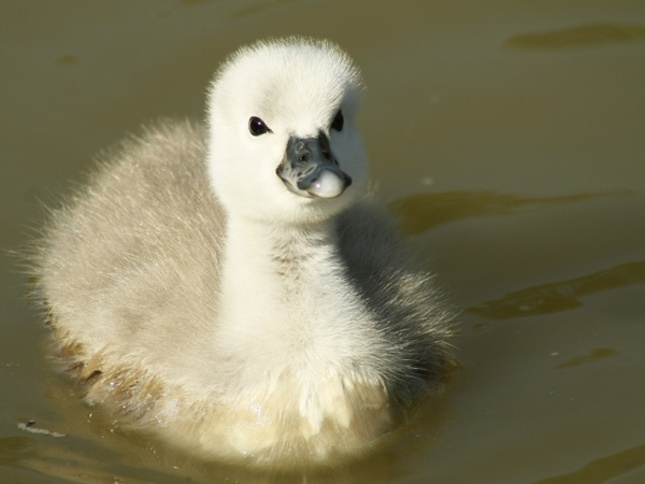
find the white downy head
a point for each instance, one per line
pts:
(283, 144)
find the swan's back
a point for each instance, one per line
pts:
(134, 258)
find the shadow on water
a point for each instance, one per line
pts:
(603, 469)
(581, 36)
(560, 296)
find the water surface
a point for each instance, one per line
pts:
(508, 138)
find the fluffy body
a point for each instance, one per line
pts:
(204, 302)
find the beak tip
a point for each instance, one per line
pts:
(329, 184)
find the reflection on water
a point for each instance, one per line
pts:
(422, 211)
(603, 469)
(92, 451)
(560, 296)
(582, 36)
(14, 449)
(70, 463)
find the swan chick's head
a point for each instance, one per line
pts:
(283, 145)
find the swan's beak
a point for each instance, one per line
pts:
(309, 168)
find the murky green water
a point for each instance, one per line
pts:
(509, 138)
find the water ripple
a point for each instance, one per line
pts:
(581, 36)
(560, 296)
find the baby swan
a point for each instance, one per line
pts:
(232, 290)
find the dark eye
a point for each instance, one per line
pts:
(257, 126)
(338, 121)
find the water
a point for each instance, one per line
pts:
(507, 138)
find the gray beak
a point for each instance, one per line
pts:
(309, 169)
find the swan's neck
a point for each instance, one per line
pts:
(296, 336)
(285, 295)
(277, 256)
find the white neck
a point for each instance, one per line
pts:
(285, 298)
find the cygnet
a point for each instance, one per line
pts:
(232, 289)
